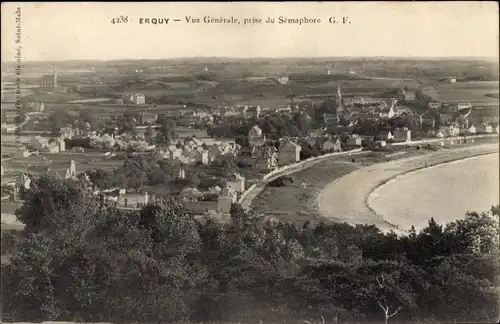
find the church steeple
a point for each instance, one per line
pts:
(55, 77)
(338, 100)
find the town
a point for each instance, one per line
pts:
(292, 163)
(133, 147)
(221, 184)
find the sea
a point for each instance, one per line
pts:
(445, 192)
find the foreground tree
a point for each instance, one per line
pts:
(82, 259)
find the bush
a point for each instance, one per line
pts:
(244, 165)
(9, 239)
(282, 181)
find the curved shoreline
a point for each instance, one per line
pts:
(409, 172)
(346, 199)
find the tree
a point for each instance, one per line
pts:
(136, 168)
(167, 128)
(193, 180)
(88, 117)
(368, 127)
(300, 120)
(88, 261)
(129, 122)
(156, 176)
(47, 195)
(228, 167)
(382, 301)
(160, 140)
(475, 233)
(58, 119)
(268, 128)
(392, 286)
(149, 135)
(101, 179)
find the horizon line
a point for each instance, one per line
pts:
(481, 58)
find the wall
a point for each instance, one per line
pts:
(295, 167)
(292, 167)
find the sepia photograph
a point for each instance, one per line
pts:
(250, 162)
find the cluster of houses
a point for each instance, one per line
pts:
(122, 142)
(136, 99)
(47, 145)
(359, 108)
(249, 111)
(194, 150)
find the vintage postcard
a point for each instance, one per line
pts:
(250, 162)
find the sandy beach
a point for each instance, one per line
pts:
(346, 199)
(444, 191)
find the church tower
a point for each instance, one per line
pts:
(338, 100)
(54, 84)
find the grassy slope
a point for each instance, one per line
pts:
(296, 203)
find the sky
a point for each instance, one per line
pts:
(70, 31)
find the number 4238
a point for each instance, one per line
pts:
(120, 20)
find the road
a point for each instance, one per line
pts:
(261, 185)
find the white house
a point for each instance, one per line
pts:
(387, 108)
(386, 135)
(225, 200)
(138, 98)
(236, 183)
(449, 130)
(267, 158)
(434, 105)
(472, 129)
(289, 152)
(200, 155)
(38, 142)
(62, 144)
(402, 135)
(332, 145)
(252, 111)
(283, 79)
(174, 152)
(8, 128)
(255, 137)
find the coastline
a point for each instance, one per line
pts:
(394, 178)
(343, 202)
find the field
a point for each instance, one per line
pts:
(61, 161)
(296, 202)
(474, 92)
(227, 82)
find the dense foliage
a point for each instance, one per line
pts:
(80, 258)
